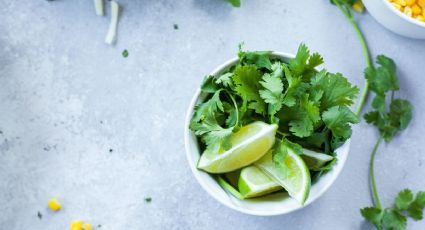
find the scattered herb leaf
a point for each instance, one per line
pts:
(125, 53)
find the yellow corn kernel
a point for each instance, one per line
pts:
(401, 2)
(397, 6)
(358, 6)
(410, 2)
(87, 226)
(76, 225)
(54, 205)
(408, 11)
(422, 4)
(416, 10)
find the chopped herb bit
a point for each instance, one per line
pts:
(111, 150)
(148, 199)
(39, 215)
(125, 53)
(176, 27)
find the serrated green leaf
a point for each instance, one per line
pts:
(247, 85)
(392, 219)
(403, 199)
(373, 215)
(338, 120)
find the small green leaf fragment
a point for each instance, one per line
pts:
(125, 53)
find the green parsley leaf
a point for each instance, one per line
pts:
(225, 80)
(125, 53)
(338, 120)
(148, 199)
(392, 219)
(415, 211)
(335, 89)
(384, 78)
(272, 92)
(307, 114)
(247, 85)
(261, 59)
(303, 62)
(403, 200)
(209, 85)
(373, 215)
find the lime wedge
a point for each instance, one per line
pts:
(250, 143)
(253, 182)
(296, 179)
(315, 160)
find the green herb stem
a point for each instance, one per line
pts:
(366, 53)
(372, 175)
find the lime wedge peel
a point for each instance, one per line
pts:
(251, 142)
(315, 160)
(253, 182)
(297, 180)
(229, 188)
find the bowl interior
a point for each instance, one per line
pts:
(402, 15)
(275, 204)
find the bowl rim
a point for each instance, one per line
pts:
(403, 16)
(187, 132)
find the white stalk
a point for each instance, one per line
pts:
(112, 32)
(98, 5)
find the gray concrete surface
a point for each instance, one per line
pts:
(66, 99)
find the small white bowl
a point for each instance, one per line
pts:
(275, 204)
(394, 20)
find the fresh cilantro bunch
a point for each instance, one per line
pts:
(389, 119)
(405, 205)
(310, 107)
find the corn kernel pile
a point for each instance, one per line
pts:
(411, 8)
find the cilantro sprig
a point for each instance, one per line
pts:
(311, 107)
(389, 116)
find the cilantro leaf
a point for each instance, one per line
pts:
(214, 135)
(272, 92)
(383, 78)
(209, 85)
(261, 59)
(225, 80)
(403, 200)
(392, 219)
(209, 106)
(373, 215)
(415, 211)
(335, 88)
(303, 62)
(306, 115)
(247, 85)
(338, 120)
(295, 89)
(400, 113)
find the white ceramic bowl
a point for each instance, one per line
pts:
(275, 204)
(394, 20)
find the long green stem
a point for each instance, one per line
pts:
(372, 174)
(366, 53)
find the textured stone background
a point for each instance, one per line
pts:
(66, 98)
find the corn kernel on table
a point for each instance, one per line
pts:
(103, 134)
